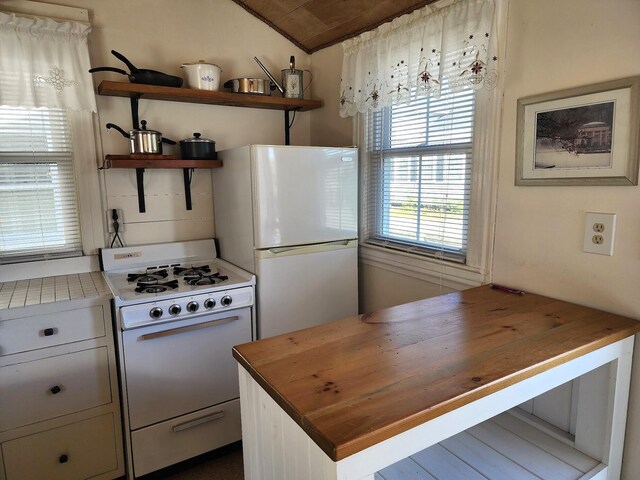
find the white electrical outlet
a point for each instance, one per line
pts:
(599, 233)
(110, 220)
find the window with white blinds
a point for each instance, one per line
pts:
(38, 206)
(419, 175)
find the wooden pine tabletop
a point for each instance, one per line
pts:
(358, 381)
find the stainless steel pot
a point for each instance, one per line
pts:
(256, 86)
(143, 140)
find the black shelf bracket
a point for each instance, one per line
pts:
(287, 126)
(134, 111)
(140, 184)
(186, 174)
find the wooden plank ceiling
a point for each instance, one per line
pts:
(316, 24)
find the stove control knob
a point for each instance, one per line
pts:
(155, 312)
(175, 309)
(226, 301)
(192, 307)
(209, 303)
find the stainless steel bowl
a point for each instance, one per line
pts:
(255, 86)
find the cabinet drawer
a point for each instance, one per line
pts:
(73, 452)
(30, 333)
(184, 437)
(41, 389)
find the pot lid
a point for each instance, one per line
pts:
(143, 128)
(196, 138)
(200, 62)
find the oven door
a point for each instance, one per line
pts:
(179, 367)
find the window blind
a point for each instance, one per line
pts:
(419, 175)
(38, 206)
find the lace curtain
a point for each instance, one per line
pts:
(45, 63)
(417, 54)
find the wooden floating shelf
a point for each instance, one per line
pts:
(189, 95)
(157, 161)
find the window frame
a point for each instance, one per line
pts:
(422, 248)
(43, 168)
(89, 205)
(437, 268)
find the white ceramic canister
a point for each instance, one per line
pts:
(202, 76)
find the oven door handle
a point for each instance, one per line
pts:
(188, 328)
(198, 421)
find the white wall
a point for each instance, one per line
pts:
(327, 128)
(381, 288)
(161, 35)
(554, 45)
(539, 229)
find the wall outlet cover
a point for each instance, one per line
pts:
(599, 233)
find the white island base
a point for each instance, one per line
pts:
(473, 441)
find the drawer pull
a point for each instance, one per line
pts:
(55, 389)
(198, 421)
(64, 458)
(49, 331)
(188, 328)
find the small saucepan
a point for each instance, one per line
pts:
(198, 148)
(143, 140)
(256, 86)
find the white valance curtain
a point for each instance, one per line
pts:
(417, 54)
(45, 63)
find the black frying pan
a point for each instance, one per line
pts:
(141, 75)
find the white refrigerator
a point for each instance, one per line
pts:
(289, 214)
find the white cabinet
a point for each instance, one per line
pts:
(60, 411)
(79, 450)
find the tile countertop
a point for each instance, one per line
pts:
(38, 291)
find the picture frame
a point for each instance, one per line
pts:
(581, 136)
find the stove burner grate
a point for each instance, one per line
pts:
(191, 271)
(155, 286)
(148, 276)
(205, 279)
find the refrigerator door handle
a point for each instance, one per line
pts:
(278, 250)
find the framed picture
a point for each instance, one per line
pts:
(582, 136)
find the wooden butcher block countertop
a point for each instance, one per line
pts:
(358, 381)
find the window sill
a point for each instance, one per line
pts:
(49, 268)
(439, 272)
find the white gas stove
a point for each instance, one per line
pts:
(173, 281)
(178, 312)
